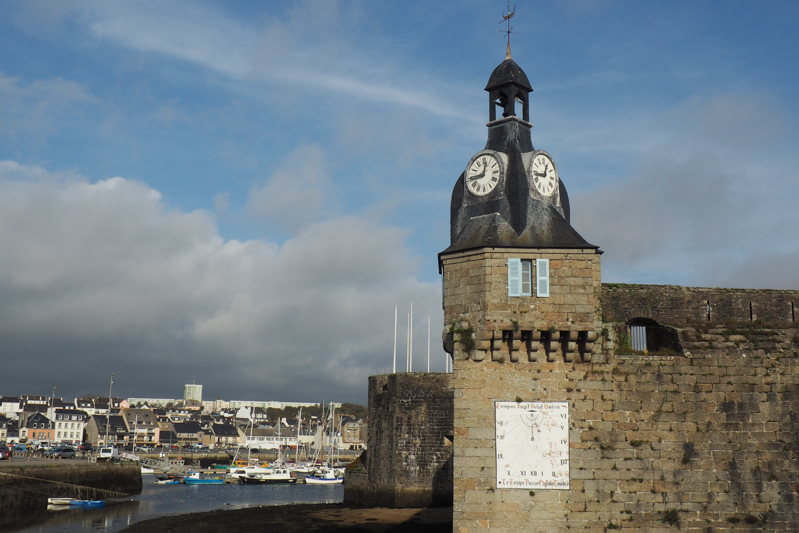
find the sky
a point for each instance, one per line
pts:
(238, 194)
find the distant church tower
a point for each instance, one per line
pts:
(521, 291)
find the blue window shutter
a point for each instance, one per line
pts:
(542, 278)
(527, 277)
(514, 277)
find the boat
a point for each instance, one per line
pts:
(324, 480)
(59, 501)
(325, 477)
(87, 504)
(167, 481)
(199, 478)
(51, 507)
(147, 470)
(275, 475)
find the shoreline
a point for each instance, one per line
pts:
(296, 518)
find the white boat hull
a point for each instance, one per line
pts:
(324, 480)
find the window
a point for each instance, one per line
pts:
(527, 277)
(520, 277)
(514, 277)
(542, 278)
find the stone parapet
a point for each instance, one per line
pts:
(675, 305)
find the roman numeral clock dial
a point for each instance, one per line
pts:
(544, 175)
(483, 174)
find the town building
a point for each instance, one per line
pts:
(10, 407)
(37, 429)
(221, 436)
(189, 433)
(142, 426)
(69, 425)
(193, 392)
(102, 430)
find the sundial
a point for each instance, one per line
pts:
(532, 445)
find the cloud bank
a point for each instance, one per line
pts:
(103, 277)
(708, 205)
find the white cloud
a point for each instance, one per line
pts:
(705, 204)
(298, 193)
(314, 47)
(103, 277)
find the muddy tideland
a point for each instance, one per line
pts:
(334, 517)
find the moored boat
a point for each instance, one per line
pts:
(251, 470)
(87, 504)
(198, 478)
(59, 501)
(325, 477)
(274, 475)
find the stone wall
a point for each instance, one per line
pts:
(676, 305)
(708, 441)
(408, 462)
(704, 440)
(477, 306)
(25, 487)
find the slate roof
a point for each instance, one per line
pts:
(116, 424)
(38, 418)
(510, 216)
(184, 428)
(225, 430)
(508, 72)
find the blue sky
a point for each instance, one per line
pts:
(239, 193)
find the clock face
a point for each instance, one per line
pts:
(532, 445)
(483, 174)
(544, 175)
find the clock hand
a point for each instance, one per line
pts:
(478, 177)
(540, 174)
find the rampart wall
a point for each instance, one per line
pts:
(674, 305)
(707, 441)
(408, 462)
(703, 440)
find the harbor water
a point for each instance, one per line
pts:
(166, 500)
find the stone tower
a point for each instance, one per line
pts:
(521, 295)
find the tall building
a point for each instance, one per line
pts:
(193, 392)
(521, 294)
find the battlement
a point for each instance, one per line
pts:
(675, 305)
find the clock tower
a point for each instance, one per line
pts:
(521, 292)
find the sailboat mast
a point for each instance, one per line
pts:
(299, 425)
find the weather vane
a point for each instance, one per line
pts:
(506, 18)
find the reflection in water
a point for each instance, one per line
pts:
(57, 516)
(165, 500)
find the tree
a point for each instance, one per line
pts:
(354, 410)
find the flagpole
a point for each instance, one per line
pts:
(395, 339)
(428, 344)
(408, 346)
(411, 336)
